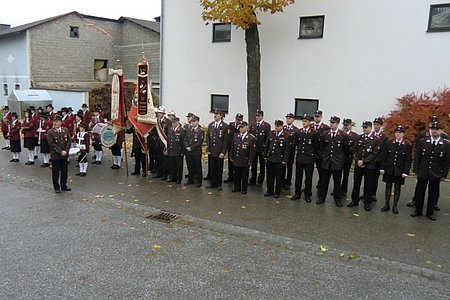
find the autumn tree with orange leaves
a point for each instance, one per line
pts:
(414, 110)
(244, 14)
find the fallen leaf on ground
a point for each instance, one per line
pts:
(243, 206)
(439, 266)
(167, 201)
(136, 200)
(225, 270)
(418, 250)
(278, 202)
(352, 256)
(156, 247)
(210, 193)
(99, 196)
(356, 215)
(411, 234)
(188, 200)
(288, 196)
(169, 185)
(110, 196)
(219, 213)
(323, 249)
(428, 262)
(122, 194)
(341, 254)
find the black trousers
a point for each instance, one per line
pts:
(194, 164)
(176, 167)
(368, 176)
(139, 161)
(433, 194)
(262, 168)
(376, 178)
(308, 169)
(275, 176)
(216, 171)
(345, 175)
(160, 160)
(318, 162)
(289, 170)
(337, 177)
(240, 178)
(5, 135)
(230, 166)
(151, 157)
(59, 171)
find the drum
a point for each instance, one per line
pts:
(107, 136)
(74, 151)
(97, 129)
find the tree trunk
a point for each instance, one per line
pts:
(253, 70)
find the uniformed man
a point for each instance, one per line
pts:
(260, 130)
(175, 150)
(6, 121)
(234, 129)
(193, 145)
(431, 165)
(50, 113)
(395, 166)
(83, 143)
(334, 148)
(139, 153)
(171, 115)
(217, 146)
(116, 150)
(242, 154)
(289, 128)
(86, 114)
(352, 138)
(365, 151)
(161, 159)
(187, 126)
(320, 127)
(58, 139)
(377, 126)
(306, 141)
(276, 152)
(46, 125)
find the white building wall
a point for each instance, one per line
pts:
(371, 53)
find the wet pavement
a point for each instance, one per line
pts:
(393, 238)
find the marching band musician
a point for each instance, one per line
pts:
(116, 150)
(67, 121)
(14, 137)
(29, 133)
(6, 121)
(394, 166)
(86, 114)
(96, 142)
(83, 143)
(193, 145)
(50, 111)
(59, 141)
(46, 125)
(35, 118)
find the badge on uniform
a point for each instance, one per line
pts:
(441, 155)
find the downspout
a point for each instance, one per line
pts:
(161, 47)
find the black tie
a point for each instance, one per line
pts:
(317, 127)
(333, 136)
(257, 124)
(434, 143)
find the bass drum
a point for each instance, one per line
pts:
(97, 129)
(107, 136)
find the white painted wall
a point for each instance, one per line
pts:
(371, 53)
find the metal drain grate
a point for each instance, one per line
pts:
(164, 216)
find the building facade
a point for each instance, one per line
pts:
(349, 58)
(71, 53)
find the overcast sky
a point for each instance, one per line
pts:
(19, 12)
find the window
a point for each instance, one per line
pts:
(305, 106)
(311, 27)
(5, 89)
(17, 86)
(101, 70)
(74, 32)
(220, 102)
(439, 19)
(221, 32)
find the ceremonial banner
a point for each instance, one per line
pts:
(145, 108)
(117, 100)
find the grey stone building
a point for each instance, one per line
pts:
(70, 54)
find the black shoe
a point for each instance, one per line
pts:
(79, 174)
(295, 197)
(115, 167)
(436, 208)
(13, 160)
(344, 194)
(235, 190)
(16, 160)
(206, 178)
(136, 173)
(178, 182)
(320, 201)
(353, 204)
(219, 188)
(5, 148)
(308, 199)
(367, 206)
(338, 203)
(386, 208)
(66, 189)
(267, 194)
(28, 163)
(243, 192)
(186, 176)
(45, 165)
(395, 210)
(331, 194)
(276, 196)
(228, 180)
(58, 191)
(416, 214)
(411, 203)
(83, 174)
(35, 157)
(431, 217)
(189, 182)
(171, 180)
(98, 163)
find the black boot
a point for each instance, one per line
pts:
(387, 197)
(396, 198)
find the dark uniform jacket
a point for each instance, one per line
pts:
(194, 139)
(334, 150)
(175, 141)
(217, 139)
(396, 159)
(322, 128)
(243, 150)
(353, 137)
(306, 141)
(384, 139)
(432, 162)
(425, 134)
(233, 128)
(277, 147)
(367, 149)
(14, 130)
(261, 134)
(28, 128)
(6, 120)
(291, 129)
(58, 142)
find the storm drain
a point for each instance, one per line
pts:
(164, 216)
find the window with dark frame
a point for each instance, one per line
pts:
(221, 32)
(17, 86)
(305, 106)
(74, 32)
(439, 18)
(220, 102)
(311, 27)
(5, 89)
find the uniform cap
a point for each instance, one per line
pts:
(259, 112)
(14, 114)
(57, 118)
(307, 117)
(218, 111)
(189, 115)
(289, 115)
(6, 107)
(171, 113)
(82, 125)
(433, 119)
(49, 105)
(32, 107)
(436, 125)
(347, 121)
(196, 118)
(400, 128)
(335, 119)
(367, 124)
(243, 124)
(279, 123)
(239, 116)
(318, 112)
(84, 105)
(378, 120)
